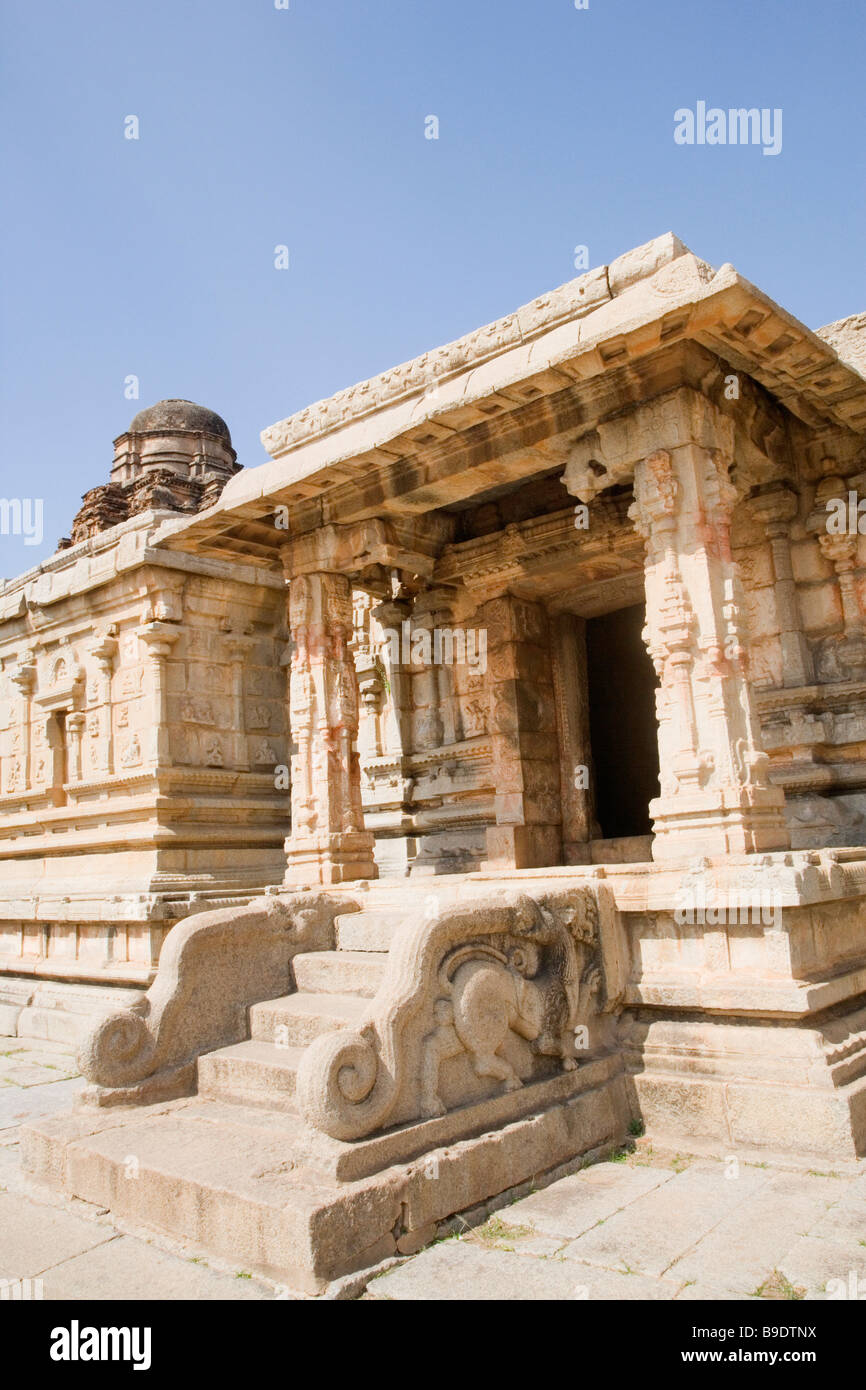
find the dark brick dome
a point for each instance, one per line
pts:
(180, 415)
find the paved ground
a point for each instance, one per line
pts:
(648, 1226)
(82, 1256)
(656, 1227)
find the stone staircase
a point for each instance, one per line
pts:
(333, 990)
(236, 1172)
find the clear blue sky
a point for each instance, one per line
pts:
(305, 127)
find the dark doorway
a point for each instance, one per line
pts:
(622, 722)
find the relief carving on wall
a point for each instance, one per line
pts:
(259, 717)
(130, 754)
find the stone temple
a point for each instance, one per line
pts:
(396, 822)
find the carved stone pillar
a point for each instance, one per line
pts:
(775, 509)
(103, 650)
(716, 798)
(428, 724)
(391, 615)
(525, 752)
(158, 638)
(371, 685)
(328, 842)
(433, 612)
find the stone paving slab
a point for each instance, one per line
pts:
(843, 1222)
(41, 1068)
(649, 1235)
(575, 1204)
(19, 1104)
(460, 1269)
(753, 1239)
(812, 1262)
(687, 1231)
(80, 1258)
(126, 1268)
(35, 1237)
(36, 1078)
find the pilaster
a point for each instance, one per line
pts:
(775, 509)
(158, 638)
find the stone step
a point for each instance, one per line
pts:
(251, 1073)
(296, 1019)
(369, 930)
(339, 972)
(216, 1175)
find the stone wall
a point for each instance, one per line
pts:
(142, 716)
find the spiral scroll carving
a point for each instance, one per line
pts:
(117, 1050)
(341, 1087)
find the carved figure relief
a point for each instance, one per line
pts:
(259, 717)
(213, 753)
(197, 711)
(131, 752)
(462, 988)
(474, 718)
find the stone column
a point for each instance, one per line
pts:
(371, 688)
(103, 650)
(776, 509)
(525, 752)
(433, 611)
(391, 614)
(328, 842)
(716, 798)
(428, 726)
(158, 638)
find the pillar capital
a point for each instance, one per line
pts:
(158, 637)
(611, 453)
(373, 546)
(103, 649)
(23, 676)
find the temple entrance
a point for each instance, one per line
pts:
(621, 686)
